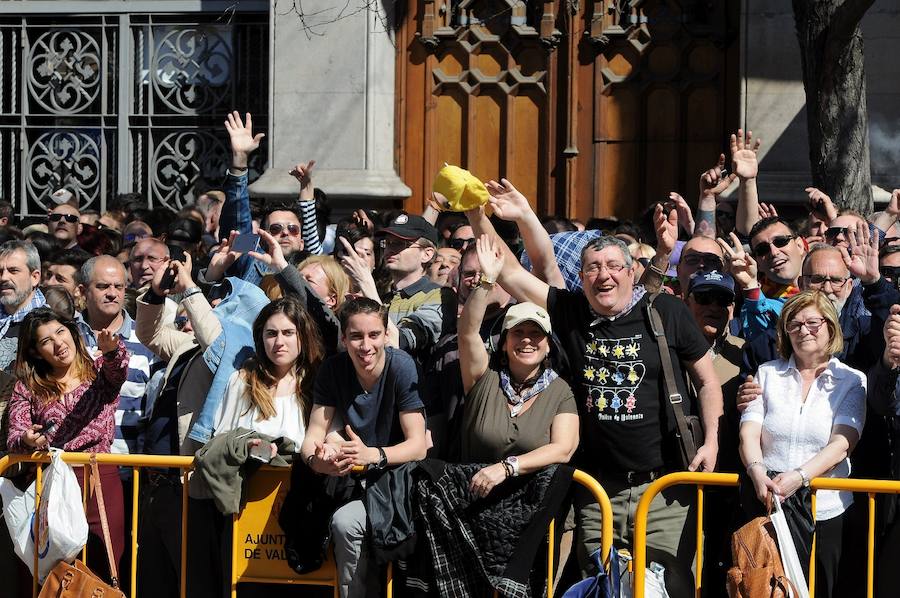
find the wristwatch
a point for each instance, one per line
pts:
(513, 463)
(382, 460)
(484, 281)
(803, 477)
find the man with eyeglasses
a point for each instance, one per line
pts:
(146, 257)
(64, 223)
(837, 233)
(627, 436)
(889, 264)
(461, 238)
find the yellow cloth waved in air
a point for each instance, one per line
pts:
(461, 188)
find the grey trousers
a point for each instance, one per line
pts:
(348, 532)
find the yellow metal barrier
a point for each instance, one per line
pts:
(259, 519)
(869, 487)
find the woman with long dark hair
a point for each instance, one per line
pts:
(272, 392)
(67, 399)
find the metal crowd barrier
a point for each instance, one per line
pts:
(869, 487)
(259, 520)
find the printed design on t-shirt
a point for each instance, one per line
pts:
(612, 374)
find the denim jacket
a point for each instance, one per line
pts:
(236, 216)
(232, 347)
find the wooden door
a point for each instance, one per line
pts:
(590, 108)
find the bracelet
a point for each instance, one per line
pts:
(750, 465)
(507, 468)
(191, 292)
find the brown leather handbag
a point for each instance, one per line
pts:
(76, 580)
(757, 570)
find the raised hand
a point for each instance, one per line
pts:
(274, 255)
(821, 205)
(490, 257)
(666, 229)
(744, 162)
(862, 259)
(892, 338)
(767, 210)
(714, 181)
(183, 278)
(222, 259)
(685, 215)
(243, 142)
(506, 200)
(357, 267)
(741, 264)
(107, 341)
(893, 207)
(303, 173)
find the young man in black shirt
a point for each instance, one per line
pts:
(627, 428)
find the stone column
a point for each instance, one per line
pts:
(333, 102)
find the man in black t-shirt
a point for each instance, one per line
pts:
(627, 430)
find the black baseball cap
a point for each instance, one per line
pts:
(410, 227)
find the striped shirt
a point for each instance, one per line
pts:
(132, 396)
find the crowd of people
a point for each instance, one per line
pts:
(494, 342)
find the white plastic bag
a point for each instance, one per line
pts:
(789, 559)
(654, 578)
(60, 523)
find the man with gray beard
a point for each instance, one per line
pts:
(861, 296)
(20, 275)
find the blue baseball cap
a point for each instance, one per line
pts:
(710, 280)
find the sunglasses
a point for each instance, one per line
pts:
(891, 273)
(707, 259)
(708, 298)
(644, 261)
(765, 248)
(460, 244)
(723, 214)
(396, 245)
(276, 228)
(832, 232)
(70, 218)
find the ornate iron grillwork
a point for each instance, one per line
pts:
(108, 104)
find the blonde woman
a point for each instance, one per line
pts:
(804, 425)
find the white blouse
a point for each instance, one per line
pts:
(233, 413)
(794, 431)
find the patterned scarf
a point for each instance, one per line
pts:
(517, 399)
(773, 290)
(636, 295)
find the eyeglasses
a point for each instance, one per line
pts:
(818, 280)
(710, 297)
(70, 218)
(891, 274)
(832, 232)
(724, 214)
(460, 244)
(707, 259)
(276, 228)
(611, 267)
(396, 245)
(812, 325)
(765, 248)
